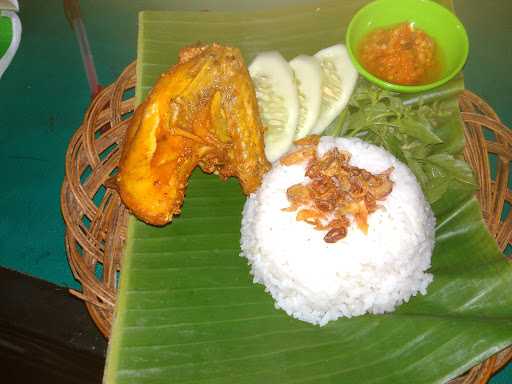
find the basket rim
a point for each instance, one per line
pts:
(108, 108)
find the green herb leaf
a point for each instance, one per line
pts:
(336, 127)
(437, 187)
(419, 128)
(416, 167)
(392, 144)
(448, 166)
(414, 130)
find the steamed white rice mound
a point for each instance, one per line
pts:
(317, 282)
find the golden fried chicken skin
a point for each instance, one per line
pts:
(202, 112)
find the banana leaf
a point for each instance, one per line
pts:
(187, 309)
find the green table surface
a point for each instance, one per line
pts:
(44, 94)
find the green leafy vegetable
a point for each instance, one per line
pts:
(413, 130)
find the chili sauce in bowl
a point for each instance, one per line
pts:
(407, 45)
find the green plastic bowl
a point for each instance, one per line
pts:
(437, 21)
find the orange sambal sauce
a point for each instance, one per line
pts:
(401, 54)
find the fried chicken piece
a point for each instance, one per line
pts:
(203, 111)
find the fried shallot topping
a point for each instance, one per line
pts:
(335, 190)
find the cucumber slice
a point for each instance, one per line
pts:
(278, 101)
(339, 78)
(308, 78)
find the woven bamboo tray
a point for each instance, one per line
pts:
(96, 219)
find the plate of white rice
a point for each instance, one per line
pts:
(318, 282)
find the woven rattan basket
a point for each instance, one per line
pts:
(96, 219)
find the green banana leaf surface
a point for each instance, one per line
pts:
(187, 309)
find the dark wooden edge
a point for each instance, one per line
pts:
(46, 335)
